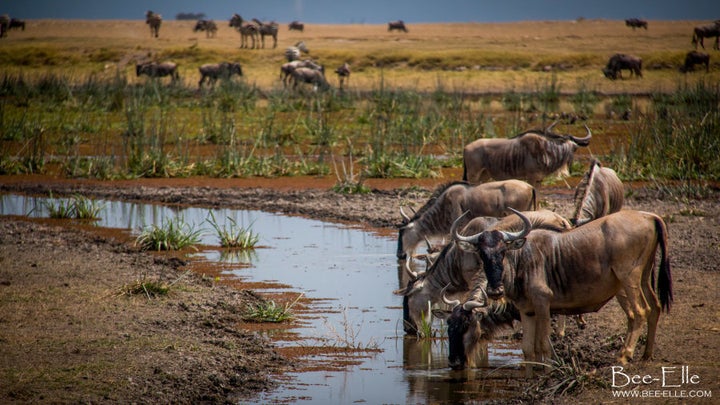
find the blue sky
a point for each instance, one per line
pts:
(371, 11)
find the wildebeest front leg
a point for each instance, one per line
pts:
(528, 342)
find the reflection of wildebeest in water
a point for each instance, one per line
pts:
(449, 201)
(636, 23)
(153, 20)
(573, 272)
(707, 31)
(456, 272)
(621, 61)
(208, 26)
(695, 58)
(599, 193)
(156, 70)
(222, 70)
(397, 25)
(297, 26)
(531, 155)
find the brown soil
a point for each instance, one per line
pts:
(70, 333)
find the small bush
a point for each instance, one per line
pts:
(174, 234)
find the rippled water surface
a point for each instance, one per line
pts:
(352, 272)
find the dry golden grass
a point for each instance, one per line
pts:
(470, 57)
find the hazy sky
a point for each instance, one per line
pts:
(370, 11)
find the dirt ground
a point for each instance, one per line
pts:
(70, 332)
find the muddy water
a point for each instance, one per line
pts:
(349, 272)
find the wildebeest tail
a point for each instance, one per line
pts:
(464, 171)
(534, 199)
(664, 284)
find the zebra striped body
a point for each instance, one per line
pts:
(265, 29)
(154, 20)
(295, 52)
(248, 31)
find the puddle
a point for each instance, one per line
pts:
(349, 273)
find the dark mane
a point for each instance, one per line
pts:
(439, 190)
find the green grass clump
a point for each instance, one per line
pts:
(174, 234)
(269, 311)
(77, 207)
(234, 236)
(151, 289)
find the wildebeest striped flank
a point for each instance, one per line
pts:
(599, 193)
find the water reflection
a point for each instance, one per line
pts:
(350, 274)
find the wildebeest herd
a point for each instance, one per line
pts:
(506, 262)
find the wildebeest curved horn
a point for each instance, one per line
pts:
(452, 303)
(457, 236)
(511, 236)
(583, 141)
(412, 273)
(404, 215)
(470, 305)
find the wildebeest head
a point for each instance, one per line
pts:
(492, 245)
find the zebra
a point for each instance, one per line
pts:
(208, 26)
(154, 20)
(247, 30)
(294, 52)
(264, 29)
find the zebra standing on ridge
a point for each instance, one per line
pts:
(154, 20)
(294, 52)
(247, 30)
(264, 29)
(208, 26)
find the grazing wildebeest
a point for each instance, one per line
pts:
(531, 155)
(343, 73)
(311, 76)
(222, 70)
(294, 52)
(636, 23)
(297, 26)
(156, 70)
(153, 20)
(456, 272)
(287, 68)
(16, 23)
(599, 193)
(208, 26)
(450, 200)
(397, 25)
(264, 29)
(248, 31)
(621, 61)
(4, 24)
(695, 58)
(707, 31)
(574, 272)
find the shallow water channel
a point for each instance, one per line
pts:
(349, 272)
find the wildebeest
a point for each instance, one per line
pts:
(599, 193)
(450, 200)
(311, 76)
(531, 155)
(343, 73)
(707, 31)
(222, 70)
(156, 70)
(695, 58)
(454, 271)
(4, 24)
(208, 26)
(294, 52)
(287, 68)
(621, 61)
(297, 26)
(636, 23)
(574, 272)
(248, 31)
(397, 25)
(264, 29)
(16, 23)
(153, 20)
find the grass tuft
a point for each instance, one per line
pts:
(174, 234)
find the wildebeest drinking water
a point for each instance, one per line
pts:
(621, 61)
(215, 71)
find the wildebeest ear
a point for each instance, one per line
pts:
(441, 314)
(466, 247)
(516, 244)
